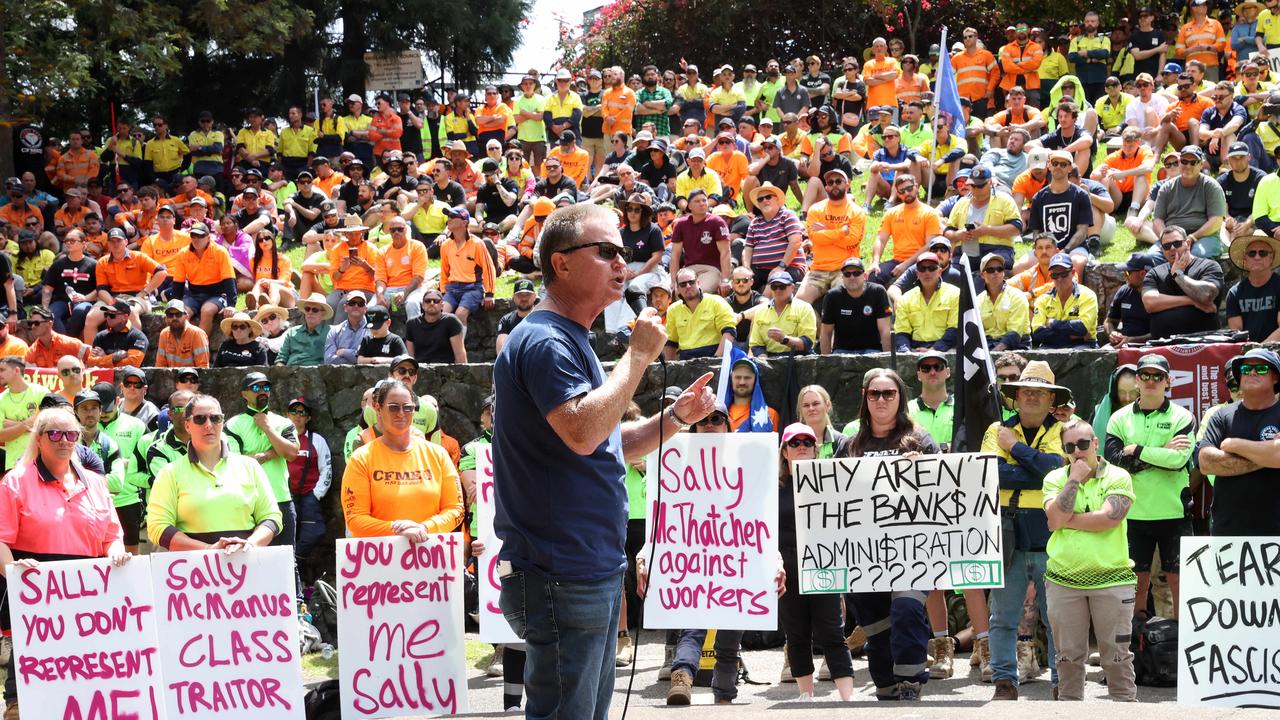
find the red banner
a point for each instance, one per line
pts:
(52, 381)
(1196, 372)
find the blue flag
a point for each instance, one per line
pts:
(759, 420)
(945, 94)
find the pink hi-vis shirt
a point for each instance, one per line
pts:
(39, 515)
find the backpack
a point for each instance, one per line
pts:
(323, 605)
(322, 702)
(1155, 652)
(763, 639)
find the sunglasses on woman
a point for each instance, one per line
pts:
(61, 435)
(801, 442)
(211, 419)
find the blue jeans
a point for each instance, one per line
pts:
(1006, 613)
(570, 631)
(68, 319)
(724, 677)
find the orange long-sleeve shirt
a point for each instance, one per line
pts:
(976, 74)
(1021, 65)
(385, 132)
(382, 485)
(468, 262)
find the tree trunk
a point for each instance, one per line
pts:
(7, 168)
(352, 72)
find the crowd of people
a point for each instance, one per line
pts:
(738, 222)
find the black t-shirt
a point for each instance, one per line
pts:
(592, 127)
(452, 194)
(1240, 193)
(547, 189)
(110, 342)
(855, 318)
(850, 106)
(78, 274)
(244, 217)
(744, 327)
(431, 339)
(880, 447)
(1185, 319)
(809, 82)
(837, 162)
(234, 354)
(508, 322)
(406, 183)
(349, 194)
(1247, 504)
(1128, 310)
(644, 243)
(411, 140)
(311, 203)
(495, 210)
(1057, 141)
(388, 346)
(1059, 214)
(655, 176)
(782, 174)
(1255, 306)
(1147, 40)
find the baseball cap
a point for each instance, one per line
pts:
(797, 429)
(781, 276)
(133, 372)
(1171, 68)
(1061, 260)
(927, 257)
(204, 115)
(458, 212)
(1238, 149)
(252, 379)
(696, 153)
(523, 285)
(1152, 360)
(672, 393)
(854, 261)
(167, 208)
(1139, 261)
(376, 316)
(354, 97)
(1144, 77)
(176, 304)
(119, 306)
(85, 396)
(835, 171)
(567, 137)
(643, 136)
(932, 355)
(404, 358)
(489, 166)
(300, 400)
(1192, 150)
(980, 175)
(1062, 155)
(250, 191)
(1038, 158)
(941, 242)
(198, 229)
(305, 173)
(353, 295)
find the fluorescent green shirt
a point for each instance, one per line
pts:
(19, 407)
(531, 130)
(1158, 485)
(234, 498)
(1087, 559)
(127, 431)
(915, 138)
(938, 422)
(246, 438)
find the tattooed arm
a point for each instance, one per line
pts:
(1113, 512)
(1060, 508)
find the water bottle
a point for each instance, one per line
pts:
(326, 651)
(303, 612)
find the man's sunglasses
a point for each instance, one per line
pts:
(1257, 253)
(1171, 245)
(995, 270)
(260, 387)
(931, 367)
(608, 251)
(68, 372)
(1151, 377)
(1255, 369)
(1071, 447)
(852, 273)
(1059, 275)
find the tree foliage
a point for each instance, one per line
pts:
(635, 32)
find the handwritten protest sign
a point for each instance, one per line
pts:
(494, 627)
(1229, 622)
(230, 634)
(713, 509)
(875, 524)
(400, 627)
(84, 638)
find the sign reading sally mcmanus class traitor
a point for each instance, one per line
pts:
(875, 524)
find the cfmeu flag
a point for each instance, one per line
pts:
(759, 420)
(977, 405)
(945, 94)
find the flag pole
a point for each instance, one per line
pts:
(937, 92)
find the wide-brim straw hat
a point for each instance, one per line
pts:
(255, 327)
(318, 300)
(1037, 376)
(1240, 245)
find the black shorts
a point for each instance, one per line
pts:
(131, 520)
(1146, 535)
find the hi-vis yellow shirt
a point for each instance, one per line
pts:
(1082, 305)
(926, 321)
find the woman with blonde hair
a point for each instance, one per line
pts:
(813, 407)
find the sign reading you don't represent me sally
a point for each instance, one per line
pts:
(876, 524)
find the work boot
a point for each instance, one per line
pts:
(1028, 666)
(1005, 690)
(944, 657)
(981, 655)
(929, 652)
(669, 656)
(908, 691)
(494, 668)
(681, 691)
(625, 647)
(11, 711)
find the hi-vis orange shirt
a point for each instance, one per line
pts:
(1021, 65)
(385, 131)
(840, 237)
(976, 73)
(1209, 32)
(164, 251)
(202, 269)
(618, 106)
(382, 485)
(466, 262)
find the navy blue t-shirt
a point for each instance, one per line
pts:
(1059, 214)
(559, 514)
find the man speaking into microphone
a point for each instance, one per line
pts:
(559, 457)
